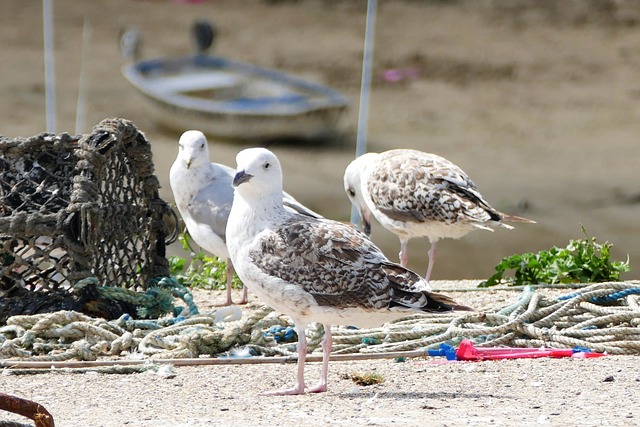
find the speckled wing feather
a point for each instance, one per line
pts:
(406, 295)
(340, 267)
(408, 185)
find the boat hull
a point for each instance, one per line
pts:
(234, 100)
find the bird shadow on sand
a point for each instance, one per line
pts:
(419, 395)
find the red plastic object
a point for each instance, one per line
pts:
(467, 351)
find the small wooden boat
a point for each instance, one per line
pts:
(236, 100)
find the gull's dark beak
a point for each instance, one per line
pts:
(241, 177)
(366, 222)
(367, 227)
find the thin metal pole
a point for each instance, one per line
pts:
(82, 84)
(71, 364)
(49, 75)
(365, 89)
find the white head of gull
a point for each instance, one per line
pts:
(203, 193)
(417, 194)
(311, 269)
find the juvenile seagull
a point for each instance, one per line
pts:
(416, 194)
(314, 269)
(203, 194)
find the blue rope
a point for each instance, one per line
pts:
(607, 298)
(282, 334)
(616, 295)
(569, 296)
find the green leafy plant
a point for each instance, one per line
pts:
(581, 261)
(204, 271)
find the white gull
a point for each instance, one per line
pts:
(203, 194)
(417, 194)
(314, 270)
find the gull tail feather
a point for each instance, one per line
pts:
(439, 303)
(514, 218)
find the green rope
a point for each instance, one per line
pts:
(178, 290)
(156, 302)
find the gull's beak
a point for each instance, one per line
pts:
(241, 177)
(367, 227)
(366, 222)
(189, 161)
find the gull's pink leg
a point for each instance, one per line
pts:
(302, 355)
(432, 259)
(245, 296)
(326, 352)
(404, 257)
(229, 273)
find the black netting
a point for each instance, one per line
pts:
(75, 207)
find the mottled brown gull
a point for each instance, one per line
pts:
(203, 194)
(314, 270)
(417, 194)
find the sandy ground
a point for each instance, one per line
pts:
(567, 392)
(537, 101)
(417, 392)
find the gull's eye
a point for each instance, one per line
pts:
(202, 146)
(351, 192)
(267, 166)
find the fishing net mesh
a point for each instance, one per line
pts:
(72, 207)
